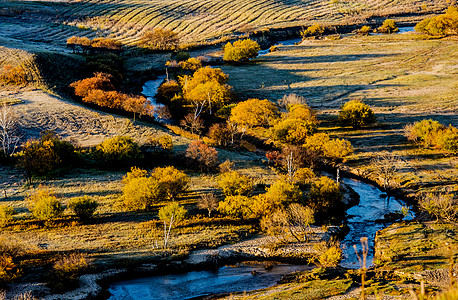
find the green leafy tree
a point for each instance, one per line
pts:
(355, 113)
(233, 183)
(241, 50)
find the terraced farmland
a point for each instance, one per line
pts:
(196, 21)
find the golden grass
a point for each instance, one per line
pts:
(197, 21)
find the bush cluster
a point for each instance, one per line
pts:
(14, 75)
(85, 44)
(430, 133)
(83, 207)
(160, 39)
(141, 191)
(66, 271)
(99, 90)
(233, 183)
(355, 113)
(119, 149)
(204, 157)
(388, 26)
(445, 24)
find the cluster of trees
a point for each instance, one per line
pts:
(430, 133)
(286, 200)
(445, 24)
(85, 44)
(100, 90)
(356, 114)
(142, 190)
(241, 50)
(160, 39)
(16, 75)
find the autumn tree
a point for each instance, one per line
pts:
(321, 145)
(356, 114)
(313, 30)
(241, 50)
(140, 193)
(202, 155)
(385, 167)
(253, 112)
(295, 219)
(172, 181)
(293, 131)
(325, 196)
(237, 206)
(206, 89)
(83, 207)
(192, 64)
(441, 25)
(222, 134)
(100, 81)
(171, 214)
(233, 183)
(160, 39)
(388, 26)
(291, 99)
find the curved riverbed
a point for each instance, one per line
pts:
(362, 219)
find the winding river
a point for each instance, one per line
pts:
(364, 220)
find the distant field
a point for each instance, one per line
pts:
(194, 20)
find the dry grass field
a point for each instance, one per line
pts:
(402, 77)
(40, 23)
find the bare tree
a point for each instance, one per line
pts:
(9, 130)
(386, 165)
(209, 202)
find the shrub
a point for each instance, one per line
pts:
(120, 149)
(302, 112)
(141, 193)
(293, 131)
(8, 269)
(365, 30)
(204, 156)
(167, 91)
(134, 173)
(291, 99)
(100, 81)
(329, 254)
(221, 134)
(355, 113)
(241, 50)
(313, 30)
(6, 214)
(37, 158)
(237, 206)
(44, 205)
(67, 270)
(448, 140)
(172, 213)
(160, 39)
(171, 181)
(303, 176)
(106, 43)
(164, 142)
(191, 64)
(424, 132)
(83, 207)
(325, 196)
(14, 75)
(233, 183)
(388, 26)
(441, 206)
